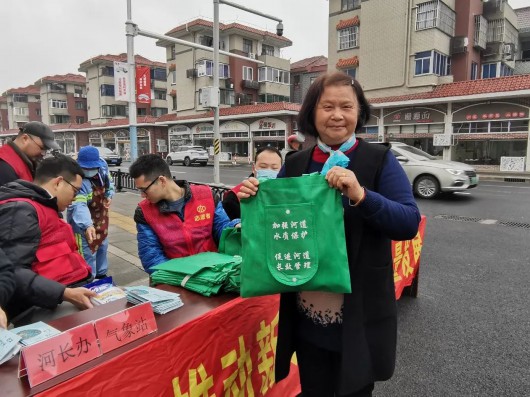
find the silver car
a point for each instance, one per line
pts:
(430, 176)
(188, 155)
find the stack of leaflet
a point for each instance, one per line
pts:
(106, 291)
(162, 301)
(34, 333)
(9, 346)
(205, 273)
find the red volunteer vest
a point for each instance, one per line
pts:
(191, 236)
(57, 257)
(8, 154)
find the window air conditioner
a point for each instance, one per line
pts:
(252, 55)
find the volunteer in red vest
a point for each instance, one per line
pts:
(175, 219)
(38, 244)
(267, 164)
(89, 213)
(19, 157)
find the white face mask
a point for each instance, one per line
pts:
(266, 174)
(90, 173)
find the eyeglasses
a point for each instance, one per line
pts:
(38, 144)
(144, 189)
(76, 189)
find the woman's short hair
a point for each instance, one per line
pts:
(306, 116)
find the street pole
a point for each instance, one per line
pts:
(130, 29)
(216, 134)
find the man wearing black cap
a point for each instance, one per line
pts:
(19, 157)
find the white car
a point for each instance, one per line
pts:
(188, 155)
(430, 176)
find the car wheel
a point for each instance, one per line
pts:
(187, 162)
(169, 160)
(427, 187)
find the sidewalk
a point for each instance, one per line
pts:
(124, 265)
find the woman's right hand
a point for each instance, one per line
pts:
(249, 188)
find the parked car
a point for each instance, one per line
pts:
(430, 176)
(188, 155)
(109, 156)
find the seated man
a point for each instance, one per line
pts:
(175, 219)
(37, 243)
(267, 164)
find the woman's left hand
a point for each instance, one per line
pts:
(346, 182)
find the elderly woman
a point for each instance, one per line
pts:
(346, 342)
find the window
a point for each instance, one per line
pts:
(206, 40)
(432, 62)
(59, 119)
(435, 14)
(160, 94)
(505, 70)
(226, 97)
(80, 105)
(57, 104)
(174, 77)
(173, 52)
(349, 37)
(78, 90)
(474, 70)
(20, 111)
(141, 112)
(157, 112)
(107, 71)
(273, 75)
(54, 87)
(174, 102)
(350, 72)
(158, 74)
(20, 98)
(489, 70)
(114, 110)
(248, 73)
(205, 68)
(267, 50)
(79, 120)
(268, 98)
(312, 80)
(350, 4)
(107, 90)
(38, 112)
(247, 45)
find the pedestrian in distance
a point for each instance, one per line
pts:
(346, 342)
(89, 213)
(175, 219)
(37, 244)
(19, 157)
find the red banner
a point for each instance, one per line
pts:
(143, 84)
(229, 351)
(406, 258)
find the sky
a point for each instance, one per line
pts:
(40, 38)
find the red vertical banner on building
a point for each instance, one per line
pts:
(143, 84)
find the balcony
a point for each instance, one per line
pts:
(251, 84)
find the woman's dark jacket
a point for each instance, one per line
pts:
(369, 328)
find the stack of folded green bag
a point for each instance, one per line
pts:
(206, 273)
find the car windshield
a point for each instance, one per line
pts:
(105, 150)
(416, 153)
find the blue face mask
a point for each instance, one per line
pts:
(90, 173)
(266, 174)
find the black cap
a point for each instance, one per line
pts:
(45, 133)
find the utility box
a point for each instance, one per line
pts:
(209, 97)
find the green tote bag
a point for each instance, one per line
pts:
(292, 236)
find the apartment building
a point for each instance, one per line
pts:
(241, 82)
(63, 99)
(102, 106)
(4, 120)
(407, 46)
(23, 105)
(303, 73)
